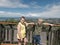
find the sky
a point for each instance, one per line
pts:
(30, 8)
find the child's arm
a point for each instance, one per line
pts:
(31, 23)
(48, 24)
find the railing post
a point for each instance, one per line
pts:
(59, 36)
(12, 33)
(49, 35)
(2, 33)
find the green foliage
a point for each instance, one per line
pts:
(11, 20)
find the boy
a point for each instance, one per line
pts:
(38, 28)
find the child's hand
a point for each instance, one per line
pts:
(21, 39)
(25, 40)
(27, 24)
(52, 24)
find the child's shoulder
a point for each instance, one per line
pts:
(19, 23)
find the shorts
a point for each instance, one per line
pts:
(23, 40)
(36, 39)
(20, 40)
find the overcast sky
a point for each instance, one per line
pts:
(34, 8)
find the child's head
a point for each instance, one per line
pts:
(22, 19)
(40, 21)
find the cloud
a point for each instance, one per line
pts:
(32, 14)
(51, 11)
(10, 14)
(17, 4)
(34, 4)
(12, 4)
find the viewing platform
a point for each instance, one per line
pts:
(51, 35)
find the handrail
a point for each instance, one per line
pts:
(2, 22)
(8, 23)
(57, 25)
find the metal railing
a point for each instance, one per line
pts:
(54, 36)
(8, 34)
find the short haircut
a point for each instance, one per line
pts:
(40, 19)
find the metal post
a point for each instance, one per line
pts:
(12, 33)
(49, 36)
